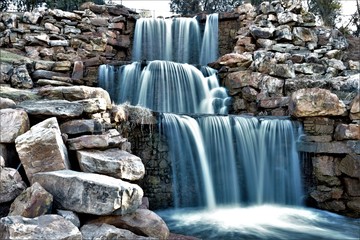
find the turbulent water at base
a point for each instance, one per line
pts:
(215, 162)
(165, 86)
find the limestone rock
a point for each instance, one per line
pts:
(43, 227)
(112, 162)
(315, 102)
(91, 193)
(261, 32)
(110, 139)
(93, 105)
(75, 93)
(352, 186)
(355, 108)
(33, 202)
(11, 184)
(70, 216)
(350, 165)
(235, 59)
(85, 126)
(45, 74)
(142, 222)
(13, 122)
(42, 148)
(236, 80)
(106, 231)
(337, 147)
(347, 132)
(283, 70)
(49, 108)
(31, 17)
(286, 17)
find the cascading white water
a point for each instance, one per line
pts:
(236, 172)
(175, 40)
(165, 86)
(210, 40)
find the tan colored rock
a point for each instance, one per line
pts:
(33, 202)
(91, 193)
(355, 108)
(85, 126)
(235, 60)
(352, 186)
(315, 102)
(237, 80)
(11, 184)
(142, 222)
(350, 165)
(347, 132)
(13, 122)
(42, 149)
(112, 162)
(93, 105)
(43, 227)
(106, 231)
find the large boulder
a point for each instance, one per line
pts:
(142, 222)
(315, 102)
(106, 231)
(112, 162)
(13, 122)
(11, 184)
(33, 202)
(42, 148)
(91, 193)
(43, 227)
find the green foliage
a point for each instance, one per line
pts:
(29, 5)
(191, 7)
(328, 10)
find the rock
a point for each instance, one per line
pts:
(33, 202)
(283, 32)
(352, 186)
(355, 108)
(236, 80)
(249, 93)
(43, 227)
(262, 32)
(70, 216)
(350, 165)
(85, 126)
(110, 139)
(112, 162)
(42, 149)
(13, 122)
(52, 28)
(6, 72)
(142, 222)
(106, 231)
(354, 205)
(21, 78)
(91, 193)
(18, 95)
(347, 132)
(325, 165)
(303, 35)
(324, 193)
(44, 74)
(58, 108)
(271, 86)
(335, 206)
(235, 59)
(337, 147)
(286, 17)
(283, 70)
(274, 102)
(31, 17)
(315, 102)
(93, 105)
(75, 93)
(11, 184)
(78, 70)
(63, 14)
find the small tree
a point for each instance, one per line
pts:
(328, 10)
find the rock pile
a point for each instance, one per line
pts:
(74, 162)
(284, 64)
(65, 48)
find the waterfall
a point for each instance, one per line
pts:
(175, 39)
(210, 40)
(229, 160)
(165, 86)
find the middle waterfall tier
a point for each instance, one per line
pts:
(165, 86)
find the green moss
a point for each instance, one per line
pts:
(9, 57)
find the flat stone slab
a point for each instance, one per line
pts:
(330, 147)
(112, 162)
(56, 108)
(91, 193)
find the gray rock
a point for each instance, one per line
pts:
(112, 162)
(21, 78)
(350, 165)
(106, 231)
(58, 108)
(43, 227)
(11, 184)
(93, 105)
(283, 70)
(74, 127)
(42, 149)
(286, 17)
(13, 122)
(261, 32)
(70, 216)
(91, 193)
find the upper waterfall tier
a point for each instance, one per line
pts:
(165, 86)
(178, 39)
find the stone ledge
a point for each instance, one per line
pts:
(339, 147)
